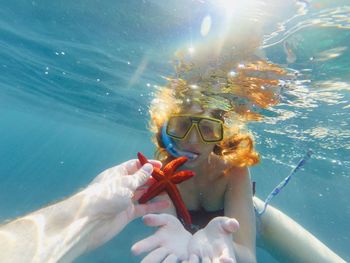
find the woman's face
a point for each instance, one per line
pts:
(193, 142)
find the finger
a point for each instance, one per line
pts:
(146, 185)
(230, 225)
(193, 259)
(133, 165)
(142, 189)
(150, 207)
(138, 193)
(122, 191)
(207, 251)
(156, 163)
(149, 182)
(141, 176)
(156, 220)
(170, 259)
(145, 245)
(156, 256)
(206, 260)
(226, 260)
(225, 253)
(126, 181)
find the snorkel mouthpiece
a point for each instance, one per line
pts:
(170, 146)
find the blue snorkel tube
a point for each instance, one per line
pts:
(170, 146)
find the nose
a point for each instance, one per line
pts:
(193, 137)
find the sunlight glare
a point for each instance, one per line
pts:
(233, 6)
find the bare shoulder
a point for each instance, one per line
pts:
(234, 170)
(238, 181)
(229, 173)
(237, 173)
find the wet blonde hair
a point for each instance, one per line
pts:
(237, 146)
(227, 82)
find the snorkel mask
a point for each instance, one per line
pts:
(171, 148)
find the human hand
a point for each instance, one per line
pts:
(111, 197)
(214, 244)
(168, 244)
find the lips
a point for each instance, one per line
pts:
(194, 157)
(194, 154)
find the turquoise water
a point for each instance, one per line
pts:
(77, 77)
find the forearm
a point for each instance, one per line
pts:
(54, 233)
(65, 230)
(239, 205)
(244, 239)
(244, 254)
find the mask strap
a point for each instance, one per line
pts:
(170, 146)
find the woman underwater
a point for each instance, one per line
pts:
(201, 114)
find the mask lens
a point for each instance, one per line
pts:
(178, 126)
(211, 130)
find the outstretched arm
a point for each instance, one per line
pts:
(239, 205)
(65, 230)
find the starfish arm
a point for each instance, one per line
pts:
(181, 176)
(171, 167)
(152, 192)
(143, 160)
(179, 204)
(157, 174)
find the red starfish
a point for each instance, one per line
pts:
(166, 180)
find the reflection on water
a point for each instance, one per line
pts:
(332, 18)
